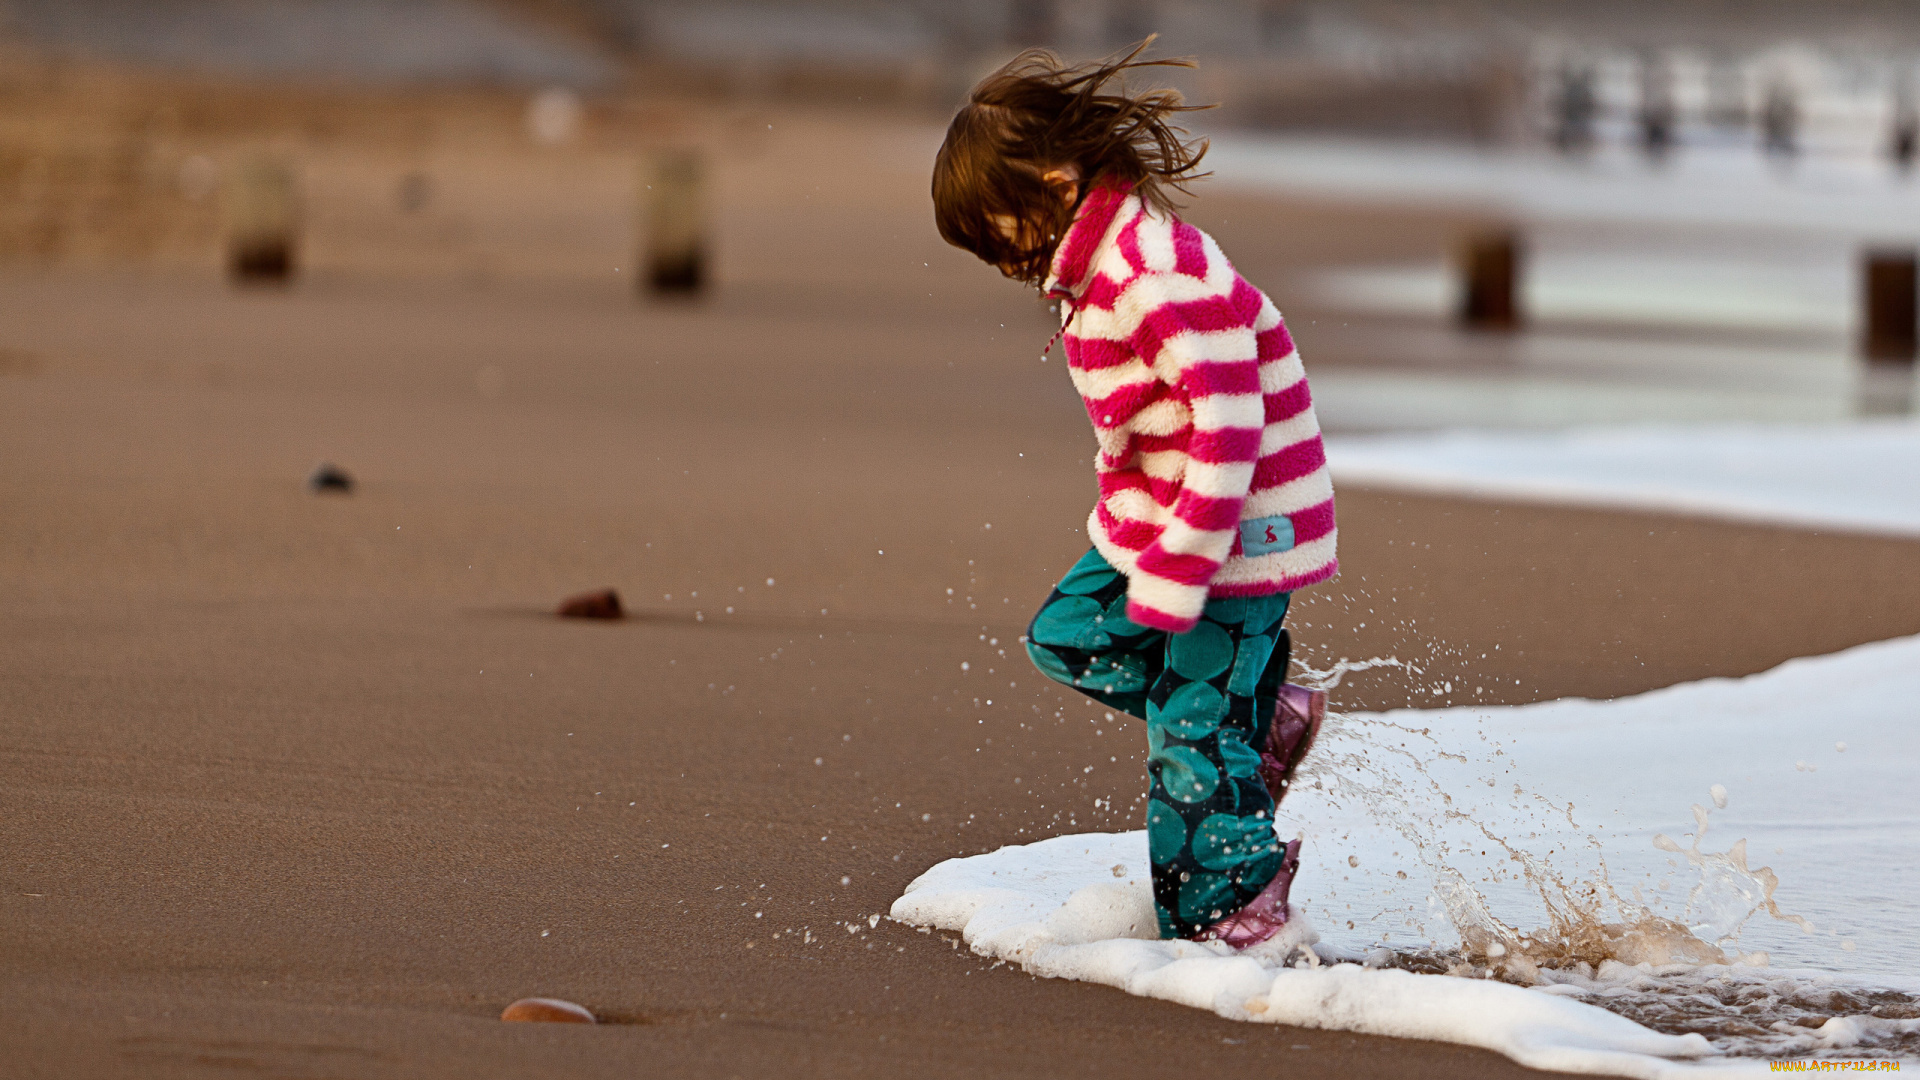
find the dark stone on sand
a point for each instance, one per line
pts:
(547, 1011)
(604, 604)
(330, 478)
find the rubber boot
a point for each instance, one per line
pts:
(1297, 717)
(1265, 914)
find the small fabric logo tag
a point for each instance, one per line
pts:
(1264, 536)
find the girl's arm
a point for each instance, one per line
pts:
(1200, 340)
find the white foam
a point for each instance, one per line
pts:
(1046, 907)
(1811, 294)
(1862, 476)
(1849, 196)
(1613, 773)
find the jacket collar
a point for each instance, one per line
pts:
(1073, 260)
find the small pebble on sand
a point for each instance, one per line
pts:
(329, 478)
(601, 604)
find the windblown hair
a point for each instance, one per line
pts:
(1037, 114)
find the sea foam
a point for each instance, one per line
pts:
(1506, 878)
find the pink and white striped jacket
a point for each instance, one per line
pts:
(1213, 480)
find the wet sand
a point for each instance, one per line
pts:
(314, 785)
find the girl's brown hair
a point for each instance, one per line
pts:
(1037, 114)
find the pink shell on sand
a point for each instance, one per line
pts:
(547, 1010)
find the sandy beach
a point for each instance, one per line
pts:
(313, 785)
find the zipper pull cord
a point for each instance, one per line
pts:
(1066, 305)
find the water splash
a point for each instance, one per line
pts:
(1330, 678)
(1727, 893)
(1673, 971)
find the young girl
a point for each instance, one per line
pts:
(1215, 502)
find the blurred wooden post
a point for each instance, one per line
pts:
(1575, 110)
(262, 222)
(1659, 115)
(1780, 121)
(1490, 281)
(1903, 134)
(1888, 280)
(676, 225)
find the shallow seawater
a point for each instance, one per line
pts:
(1722, 857)
(1743, 1011)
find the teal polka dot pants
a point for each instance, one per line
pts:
(1208, 698)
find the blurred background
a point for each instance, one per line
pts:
(1510, 212)
(345, 343)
